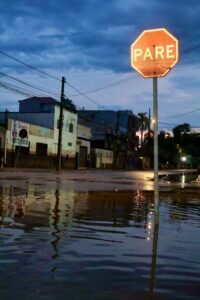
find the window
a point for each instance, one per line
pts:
(70, 144)
(71, 127)
(41, 149)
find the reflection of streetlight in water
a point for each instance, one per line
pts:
(139, 202)
(138, 195)
(149, 224)
(183, 181)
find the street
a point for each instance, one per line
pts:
(86, 180)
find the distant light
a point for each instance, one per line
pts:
(183, 158)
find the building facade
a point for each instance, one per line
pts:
(113, 131)
(83, 144)
(40, 117)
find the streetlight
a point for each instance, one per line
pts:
(183, 159)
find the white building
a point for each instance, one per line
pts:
(40, 117)
(83, 144)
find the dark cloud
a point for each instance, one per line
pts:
(91, 33)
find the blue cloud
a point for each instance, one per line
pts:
(99, 33)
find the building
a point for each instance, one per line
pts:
(113, 140)
(83, 144)
(39, 116)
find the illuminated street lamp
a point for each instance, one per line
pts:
(183, 159)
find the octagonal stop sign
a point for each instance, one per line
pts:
(154, 53)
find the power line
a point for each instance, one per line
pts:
(105, 86)
(102, 81)
(49, 75)
(172, 124)
(27, 84)
(81, 94)
(123, 80)
(182, 114)
(15, 89)
(78, 91)
(30, 66)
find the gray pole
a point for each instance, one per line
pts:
(115, 145)
(59, 150)
(153, 259)
(155, 117)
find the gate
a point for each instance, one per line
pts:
(82, 157)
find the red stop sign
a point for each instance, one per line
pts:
(154, 53)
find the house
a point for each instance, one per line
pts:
(26, 145)
(41, 116)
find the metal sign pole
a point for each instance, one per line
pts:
(155, 117)
(154, 53)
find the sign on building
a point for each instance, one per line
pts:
(20, 133)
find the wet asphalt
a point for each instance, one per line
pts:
(99, 180)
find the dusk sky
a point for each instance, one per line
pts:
(88, 42)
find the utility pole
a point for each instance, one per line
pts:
(115, 145)
(59, 150)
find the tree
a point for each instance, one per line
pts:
(167, 150)
(143, 123)
(181, 131)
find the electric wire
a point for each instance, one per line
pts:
(15, 89)
(183, 114)
(85, 96)
(105, 86)
(49, 75)
(27, 84)
(172, 124)
(29, 66)
(77, 90)
(99, 82)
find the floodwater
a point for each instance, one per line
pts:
(65, 244)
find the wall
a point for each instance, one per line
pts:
(83, 146)
(68, 138)
(36, 135)
(40, 119)
(101, 158)
(83, 137)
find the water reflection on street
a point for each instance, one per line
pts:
(58, 244)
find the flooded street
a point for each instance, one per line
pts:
(92, 236)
